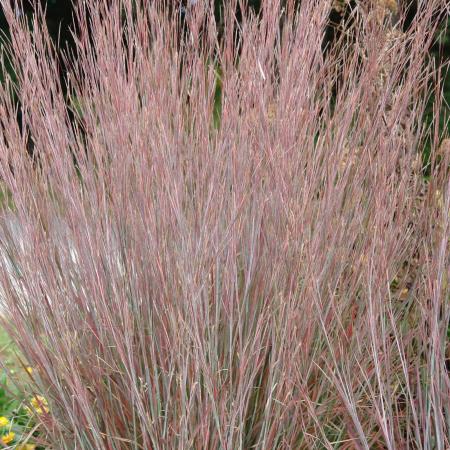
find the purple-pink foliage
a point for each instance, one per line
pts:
(269, 272)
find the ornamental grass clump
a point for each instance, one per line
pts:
(223, 237)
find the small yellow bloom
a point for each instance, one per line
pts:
(38, 401)
(26, 447)
(39, 404)
(8, 438)
(4, 422)
(29, 370)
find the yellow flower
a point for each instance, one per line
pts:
(26, 447)
(39, 401)
(39, 404)
(4, 422)
(29, 370)
(8, 438)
